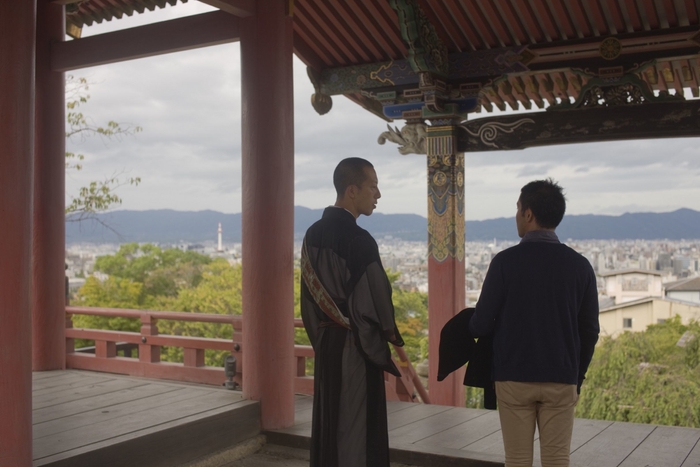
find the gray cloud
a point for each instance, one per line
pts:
(189, 154)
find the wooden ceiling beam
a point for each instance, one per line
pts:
(678, 79)
(532, 90)
(591, 19)
(661, 13)
(505, 91)
(448, 29)
(524, 23)
(318, 27)
(681, 13)
(607, 15)
(556, 20)
(518, 86)
(536, 14)
(309, 53)
(387, 26)
(695, 88)
(176, 35)
(240, 8)
(495, 22)
(509, 21)
(474, 25)
(572, 18)
(624, 13)
(367, 33)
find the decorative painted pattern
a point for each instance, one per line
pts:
(489, 63)
(488, 132)
(352, 79)
(426, 51)
(619, 91)
(445, 195)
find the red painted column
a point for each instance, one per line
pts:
(48, 241)
(17, 42)
(268, 212)
(445, 254)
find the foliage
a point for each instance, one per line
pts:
(149, 277)
(411, 313)
(100, 195)
(645, 377)
(163, 273)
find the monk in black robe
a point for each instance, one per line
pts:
(349, 317)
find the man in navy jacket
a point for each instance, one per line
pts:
(539, 301)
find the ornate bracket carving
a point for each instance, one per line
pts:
(411, 138)
(322, 103)
(614, 92)
(488, 132)
(426, 52)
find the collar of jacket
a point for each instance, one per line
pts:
(546, 236)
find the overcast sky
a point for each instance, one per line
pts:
(189, 153)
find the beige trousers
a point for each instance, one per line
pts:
(550, 406)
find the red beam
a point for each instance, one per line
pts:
(235, 320)
(186, 342)
(161, 38)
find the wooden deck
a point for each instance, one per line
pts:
(432, 435)
(86, 419)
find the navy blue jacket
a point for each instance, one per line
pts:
(540, 302)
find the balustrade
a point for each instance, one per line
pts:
(148, 341)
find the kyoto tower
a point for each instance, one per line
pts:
(221, 245)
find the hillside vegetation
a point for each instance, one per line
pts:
(643, 377)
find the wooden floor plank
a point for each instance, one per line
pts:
(491, 445)
(303, 416)
(303, 403)
(434, 424)
(172, 443)
(584, 431)
(413, 413)
(465, 434)
(395, 406)
(611, 446)
(104, 415)
(85, 404)
(80, 392)
(40, 375)
(61, 383)
(666, 446)
(693, 459)
(87, 435)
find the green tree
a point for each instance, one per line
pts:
(113, 292)
(218, 292)
(163, 273)
(97, 196)
(645, 377)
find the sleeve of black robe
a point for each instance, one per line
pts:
(370, 306)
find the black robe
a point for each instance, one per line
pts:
(349, 427)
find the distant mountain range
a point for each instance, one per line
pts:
(169, 226)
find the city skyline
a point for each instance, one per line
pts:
(188, 155)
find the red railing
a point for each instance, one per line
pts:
(193, 369)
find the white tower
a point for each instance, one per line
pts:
(221, 244)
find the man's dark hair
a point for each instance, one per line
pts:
(350, 171)
(545, 198)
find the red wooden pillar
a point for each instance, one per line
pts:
(17, 42)
(48, 241)
(445, 253)
(268, 211)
